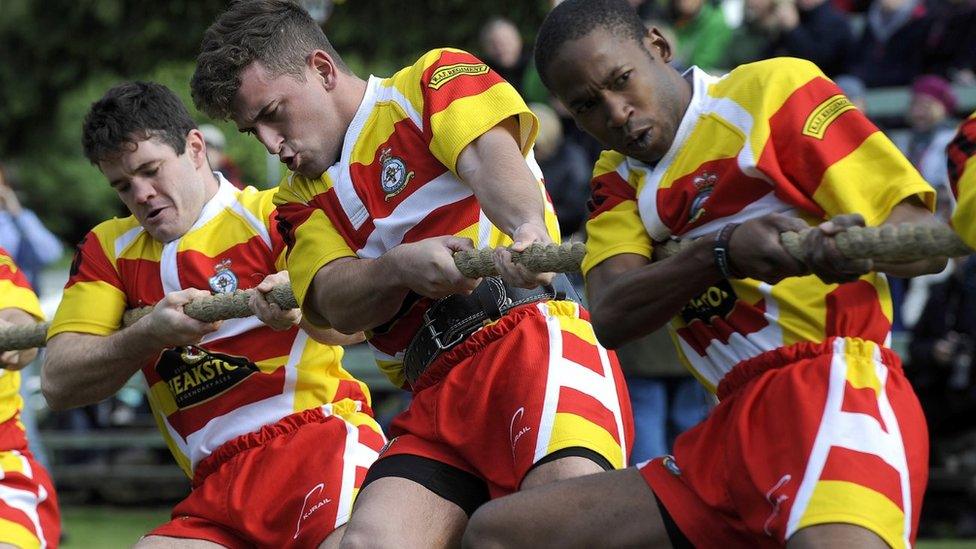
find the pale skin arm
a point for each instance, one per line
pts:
(493, 166)
(16, 360)
(621, 314)
(280, 319)
(82, 369)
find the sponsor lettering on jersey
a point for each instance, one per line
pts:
(195, 375)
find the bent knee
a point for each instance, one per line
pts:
(486, 529)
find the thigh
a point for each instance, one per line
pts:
(397, 512)
(609, 509)
(166, 542)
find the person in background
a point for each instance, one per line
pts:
(703, 35)
(23, 234)
(219, 161)
(504, 51)
(891, 50)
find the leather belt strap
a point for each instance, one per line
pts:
(450, 320)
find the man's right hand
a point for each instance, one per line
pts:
(427, 267)
(756, 250)
(169, 326)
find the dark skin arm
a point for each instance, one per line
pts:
(621, 314)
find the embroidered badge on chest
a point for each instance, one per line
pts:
(393, 174)
(224, 281)
(704, 184)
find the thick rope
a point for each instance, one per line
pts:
(889, 244)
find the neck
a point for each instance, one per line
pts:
(210, 184)
(350, 101)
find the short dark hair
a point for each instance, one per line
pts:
(132, 112)
(574, 19)
(278, 33)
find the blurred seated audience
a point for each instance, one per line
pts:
(854, 89)
(891, 49)
(951, 44)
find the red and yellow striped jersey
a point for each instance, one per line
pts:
(239, 378)
(962, 177)
(396, 180)
(770, 137)
(15, 293)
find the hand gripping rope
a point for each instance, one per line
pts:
(889, 244)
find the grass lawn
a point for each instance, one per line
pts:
(118, 527)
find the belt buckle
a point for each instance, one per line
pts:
(436, 336)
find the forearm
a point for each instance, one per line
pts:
(912, 211)
(352, 295)
(636, 302)
(82, 369)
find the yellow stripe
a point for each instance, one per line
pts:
(225, 231)
(964, 218)
(616, 231)
(317, 243)
(712, 138)
(18, 297)
(89, 307)
(573, 325)
(17, 535)
(571, 430)
(859, 355)
(11, 462)
(836, 501)
(380, 124)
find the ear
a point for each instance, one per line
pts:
(655, 42)
(196, 147)
(324, 68)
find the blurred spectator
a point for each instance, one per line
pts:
(951, 44)
(666, 400)
(29, 242)
(219, 161)
(703, 35)
(854, 89)
(566, 169)
(930, 131)
(503, 50)
(808, 29)
(891, 50)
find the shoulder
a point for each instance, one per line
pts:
(611, 162)
(789, 72)
(438, 66)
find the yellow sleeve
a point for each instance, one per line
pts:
(15, 290)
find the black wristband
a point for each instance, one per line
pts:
(720, 251)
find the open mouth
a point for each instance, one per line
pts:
(154, 213)
(290, 161)
(639, 140)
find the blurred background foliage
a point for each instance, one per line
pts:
(57, 56)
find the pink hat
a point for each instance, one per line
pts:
(937, 88)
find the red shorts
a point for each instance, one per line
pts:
(532, 384)
(28, 506)
(291, 484)
(806, 434)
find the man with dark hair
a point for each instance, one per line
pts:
(390, 177)
(274, 434)
(818, 439)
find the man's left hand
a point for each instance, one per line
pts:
(270, 313)
(517, 275)
(15, 360)
(824, 258)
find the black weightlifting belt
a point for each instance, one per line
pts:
(450, 320)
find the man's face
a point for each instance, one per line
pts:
(164, 191)
(503, 45)
(296, 120)
(621, 91)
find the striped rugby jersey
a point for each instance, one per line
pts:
(396, 181)
(962, 177)
(239, 378)
(15, 292)
(770, 137)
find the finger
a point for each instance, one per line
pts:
(457, 244)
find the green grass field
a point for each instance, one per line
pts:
(116, 527)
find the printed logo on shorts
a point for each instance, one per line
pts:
(311, 504)
(516, 433)
(671, 465)
(775, 497)
(224, 281)
(393, 174)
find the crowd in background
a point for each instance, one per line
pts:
(927, 46)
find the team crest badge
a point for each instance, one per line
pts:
(393, 174)
(224, 281)
(704, 184)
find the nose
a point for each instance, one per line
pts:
(271, 139)
(618, 111)
(143, 191)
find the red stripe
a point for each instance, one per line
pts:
(90, 264)
(862, 401)
(866, 470)
(261, 343)
(606, 192)
(250, 262)
(458, 87)
(797, 160)
(351, 389)
(744, 319)
(16, 277)
(581, 352)
(141, 280)
(589, 408)
(328, 202)
(256, 387)
(448, 219)
(854, 310)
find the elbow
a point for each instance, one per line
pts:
(56, 393)
(606, 328)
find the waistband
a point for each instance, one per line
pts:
(747, 370)
(284, 426)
